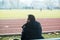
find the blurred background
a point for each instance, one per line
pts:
(29, 4)
(14, 13)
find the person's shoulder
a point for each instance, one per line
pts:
(37, 22)
(24, 25)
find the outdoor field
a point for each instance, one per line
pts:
(22, 14)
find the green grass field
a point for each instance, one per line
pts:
(22, 14)
(46, 36)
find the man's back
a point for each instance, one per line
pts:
(33, 30)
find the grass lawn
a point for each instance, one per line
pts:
(22, 14)
(18, 37)
(51, 35)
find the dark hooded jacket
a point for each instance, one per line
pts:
(31, 30)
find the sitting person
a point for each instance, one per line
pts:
(32, 29)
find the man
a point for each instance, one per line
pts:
(32, 29)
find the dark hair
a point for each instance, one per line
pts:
(31, 17)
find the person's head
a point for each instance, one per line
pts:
(31, 18)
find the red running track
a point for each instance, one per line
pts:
(13, 26)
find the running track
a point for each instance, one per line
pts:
(13, 26)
